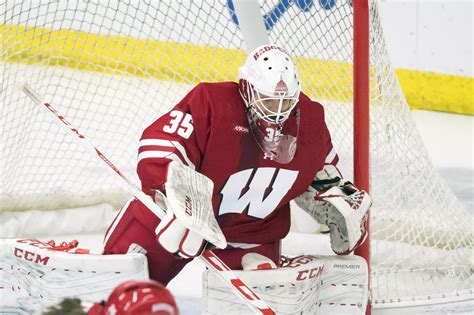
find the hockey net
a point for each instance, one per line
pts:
(112, 68)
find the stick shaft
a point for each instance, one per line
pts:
(208, 257)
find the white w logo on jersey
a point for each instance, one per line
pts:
(261, 190)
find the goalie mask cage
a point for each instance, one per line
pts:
(112, 68)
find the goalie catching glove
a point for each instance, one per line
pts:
(189, 221)
(339, 205)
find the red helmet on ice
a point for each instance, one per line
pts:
(139, 297)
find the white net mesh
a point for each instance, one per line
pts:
(112, 68)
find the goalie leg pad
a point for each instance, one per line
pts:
(304, 285)
(255, 261)
(33, 276)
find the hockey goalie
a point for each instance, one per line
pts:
(244, 150)
(260, 143)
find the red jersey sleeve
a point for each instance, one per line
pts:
(331, 157)
(181, 135)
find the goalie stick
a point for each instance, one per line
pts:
(213, 262)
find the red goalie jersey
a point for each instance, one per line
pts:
(209, 132)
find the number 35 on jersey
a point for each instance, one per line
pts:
(181, 123)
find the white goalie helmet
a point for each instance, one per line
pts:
(269, 86)
(268, 83)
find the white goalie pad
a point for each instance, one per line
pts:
(34, 277)
(307, 285)
(189, 196)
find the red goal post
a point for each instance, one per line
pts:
(361, 112)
